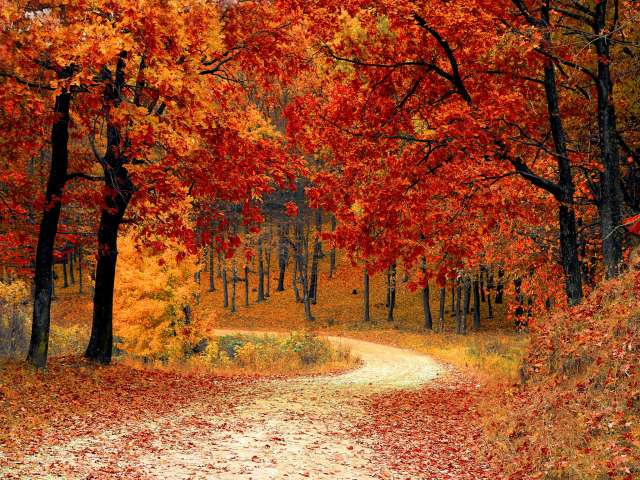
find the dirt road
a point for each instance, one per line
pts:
(295, 428)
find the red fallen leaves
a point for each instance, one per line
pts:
(432, 433)
(77, 398)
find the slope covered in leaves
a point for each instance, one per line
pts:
(576, 414)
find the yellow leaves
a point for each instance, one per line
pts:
(255, 126)
(351, 28)
(151, 292)
(357, 208)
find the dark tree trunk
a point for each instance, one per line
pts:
(392, 292)
(443, 295)
(246, 285)
(476, 305)
(80, 277)
(65, 278)
(39, 343)
(483, 297)
(332, 254)
(283, 256)
(234, 282)
(72, 275)
(426, 307)
(302, 252)
(101, 341)
(467, 303)
(267, 292)
(225, 286)
(564, 189)
(260, 272)
(365, 295)
(610, 201)
(317, 246)
(118, 192)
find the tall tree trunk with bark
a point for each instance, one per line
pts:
(72, 275)
(332, 254)
(392, 292)
(39, 343)
(610, 198)
(246, 284)
(267, 292)
(283, 256)
(234, 282)
(225, 285)
(260, 272)
(65, 278)
(80, 277)
(118, 192)
(426, 306)
(317, 246)
(365, 296)
(476, 304)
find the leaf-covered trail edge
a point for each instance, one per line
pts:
(400, 415)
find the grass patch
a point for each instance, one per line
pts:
(275, 355)
(496, 356)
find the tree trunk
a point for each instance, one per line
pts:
(260, 272)
(72, 276)
(65, 278)
(246, 285)
(234, 282)
(225, 286)
(267, 292)
(80, 277)
(283, 256)
(392, 293)
(467, 303)
(39, 343)
(118, 192)
(426, 307)
(365, 295)
(101, 341)
(610, 201)
(303, 261)
(476, 305)
(313, 285)
(332, 254)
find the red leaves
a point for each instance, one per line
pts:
(433, 432)
(632, 225)
(291, 209)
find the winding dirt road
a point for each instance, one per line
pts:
(295, 428)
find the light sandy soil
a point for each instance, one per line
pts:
(275, 429)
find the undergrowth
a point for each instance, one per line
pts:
(575, 412)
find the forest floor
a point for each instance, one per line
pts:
(356, 425)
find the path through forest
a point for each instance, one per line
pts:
(289, 428)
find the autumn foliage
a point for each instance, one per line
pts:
(461, 179)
